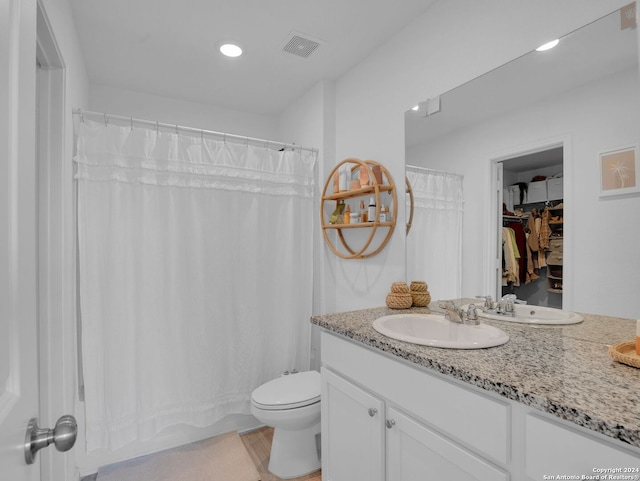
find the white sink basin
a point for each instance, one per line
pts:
(434, 330)
(529, 314)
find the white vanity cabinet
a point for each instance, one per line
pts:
(384, 418)
(363, 438)
(373, 428)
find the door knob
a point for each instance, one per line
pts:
(390, 423)
(372, 411)
(63, 436)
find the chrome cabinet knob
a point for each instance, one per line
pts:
(390, 423)
(372, 411)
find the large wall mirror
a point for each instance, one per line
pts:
(548, 119)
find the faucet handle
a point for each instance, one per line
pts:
(486, 298)
(472, 313)
(488, 301)
(513, 299)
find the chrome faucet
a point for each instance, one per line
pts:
(507, 304)
(504, 307)
(457, 314)
(489, 305)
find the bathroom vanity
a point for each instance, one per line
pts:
(548, 403)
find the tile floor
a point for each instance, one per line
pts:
(258, 444)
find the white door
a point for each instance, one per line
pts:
(18, 259)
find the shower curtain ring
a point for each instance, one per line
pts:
(131, 120)
(157, 127)
(106, 120)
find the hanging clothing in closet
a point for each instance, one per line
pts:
(534, 228)
(521, 242)
(510, 258)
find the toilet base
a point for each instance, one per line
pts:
(294, 452)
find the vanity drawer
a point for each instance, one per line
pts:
(469, 417)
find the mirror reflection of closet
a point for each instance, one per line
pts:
(531, 227)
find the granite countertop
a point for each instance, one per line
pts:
(562, 370)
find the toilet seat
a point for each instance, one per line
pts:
(288, 392)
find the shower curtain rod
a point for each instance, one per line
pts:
(157, 125)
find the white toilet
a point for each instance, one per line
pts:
(291, 405)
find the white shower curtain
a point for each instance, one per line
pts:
(434, 243)
(195, 276)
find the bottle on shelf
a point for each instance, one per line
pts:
(343, 178)
(337, 216)
(383, 213)
(363, 212)
(371, 211)
(347, 214)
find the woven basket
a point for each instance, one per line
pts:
(625, 352)
(418, 286)
(399, 288)
(421, 299)
(396, 300)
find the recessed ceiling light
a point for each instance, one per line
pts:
(548, 45)
(230, 50)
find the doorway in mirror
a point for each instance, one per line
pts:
(531, 227)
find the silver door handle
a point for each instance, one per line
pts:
(63, 435)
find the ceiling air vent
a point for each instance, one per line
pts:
(300, 44)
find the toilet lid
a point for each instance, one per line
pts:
(288, 391)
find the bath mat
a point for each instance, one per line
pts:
(222, 458)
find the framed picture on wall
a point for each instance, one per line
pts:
(619, 171)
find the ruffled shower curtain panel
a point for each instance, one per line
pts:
(434, 243)
(195, 276)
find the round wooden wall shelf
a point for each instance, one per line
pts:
(379, 185)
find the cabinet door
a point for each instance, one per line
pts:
(416, 452)
(352, 431)
(552, 449)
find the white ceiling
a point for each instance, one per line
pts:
(170, 48)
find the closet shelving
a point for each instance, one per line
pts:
(330, 200)
(554, 256)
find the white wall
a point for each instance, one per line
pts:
(451, 43)
(310, 121)
(602, 269)
(146, 106)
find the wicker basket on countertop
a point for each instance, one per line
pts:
(399, 300)
(625, 352)
(419, 286)
(420, 299)
(420, 294)
(399, 288)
